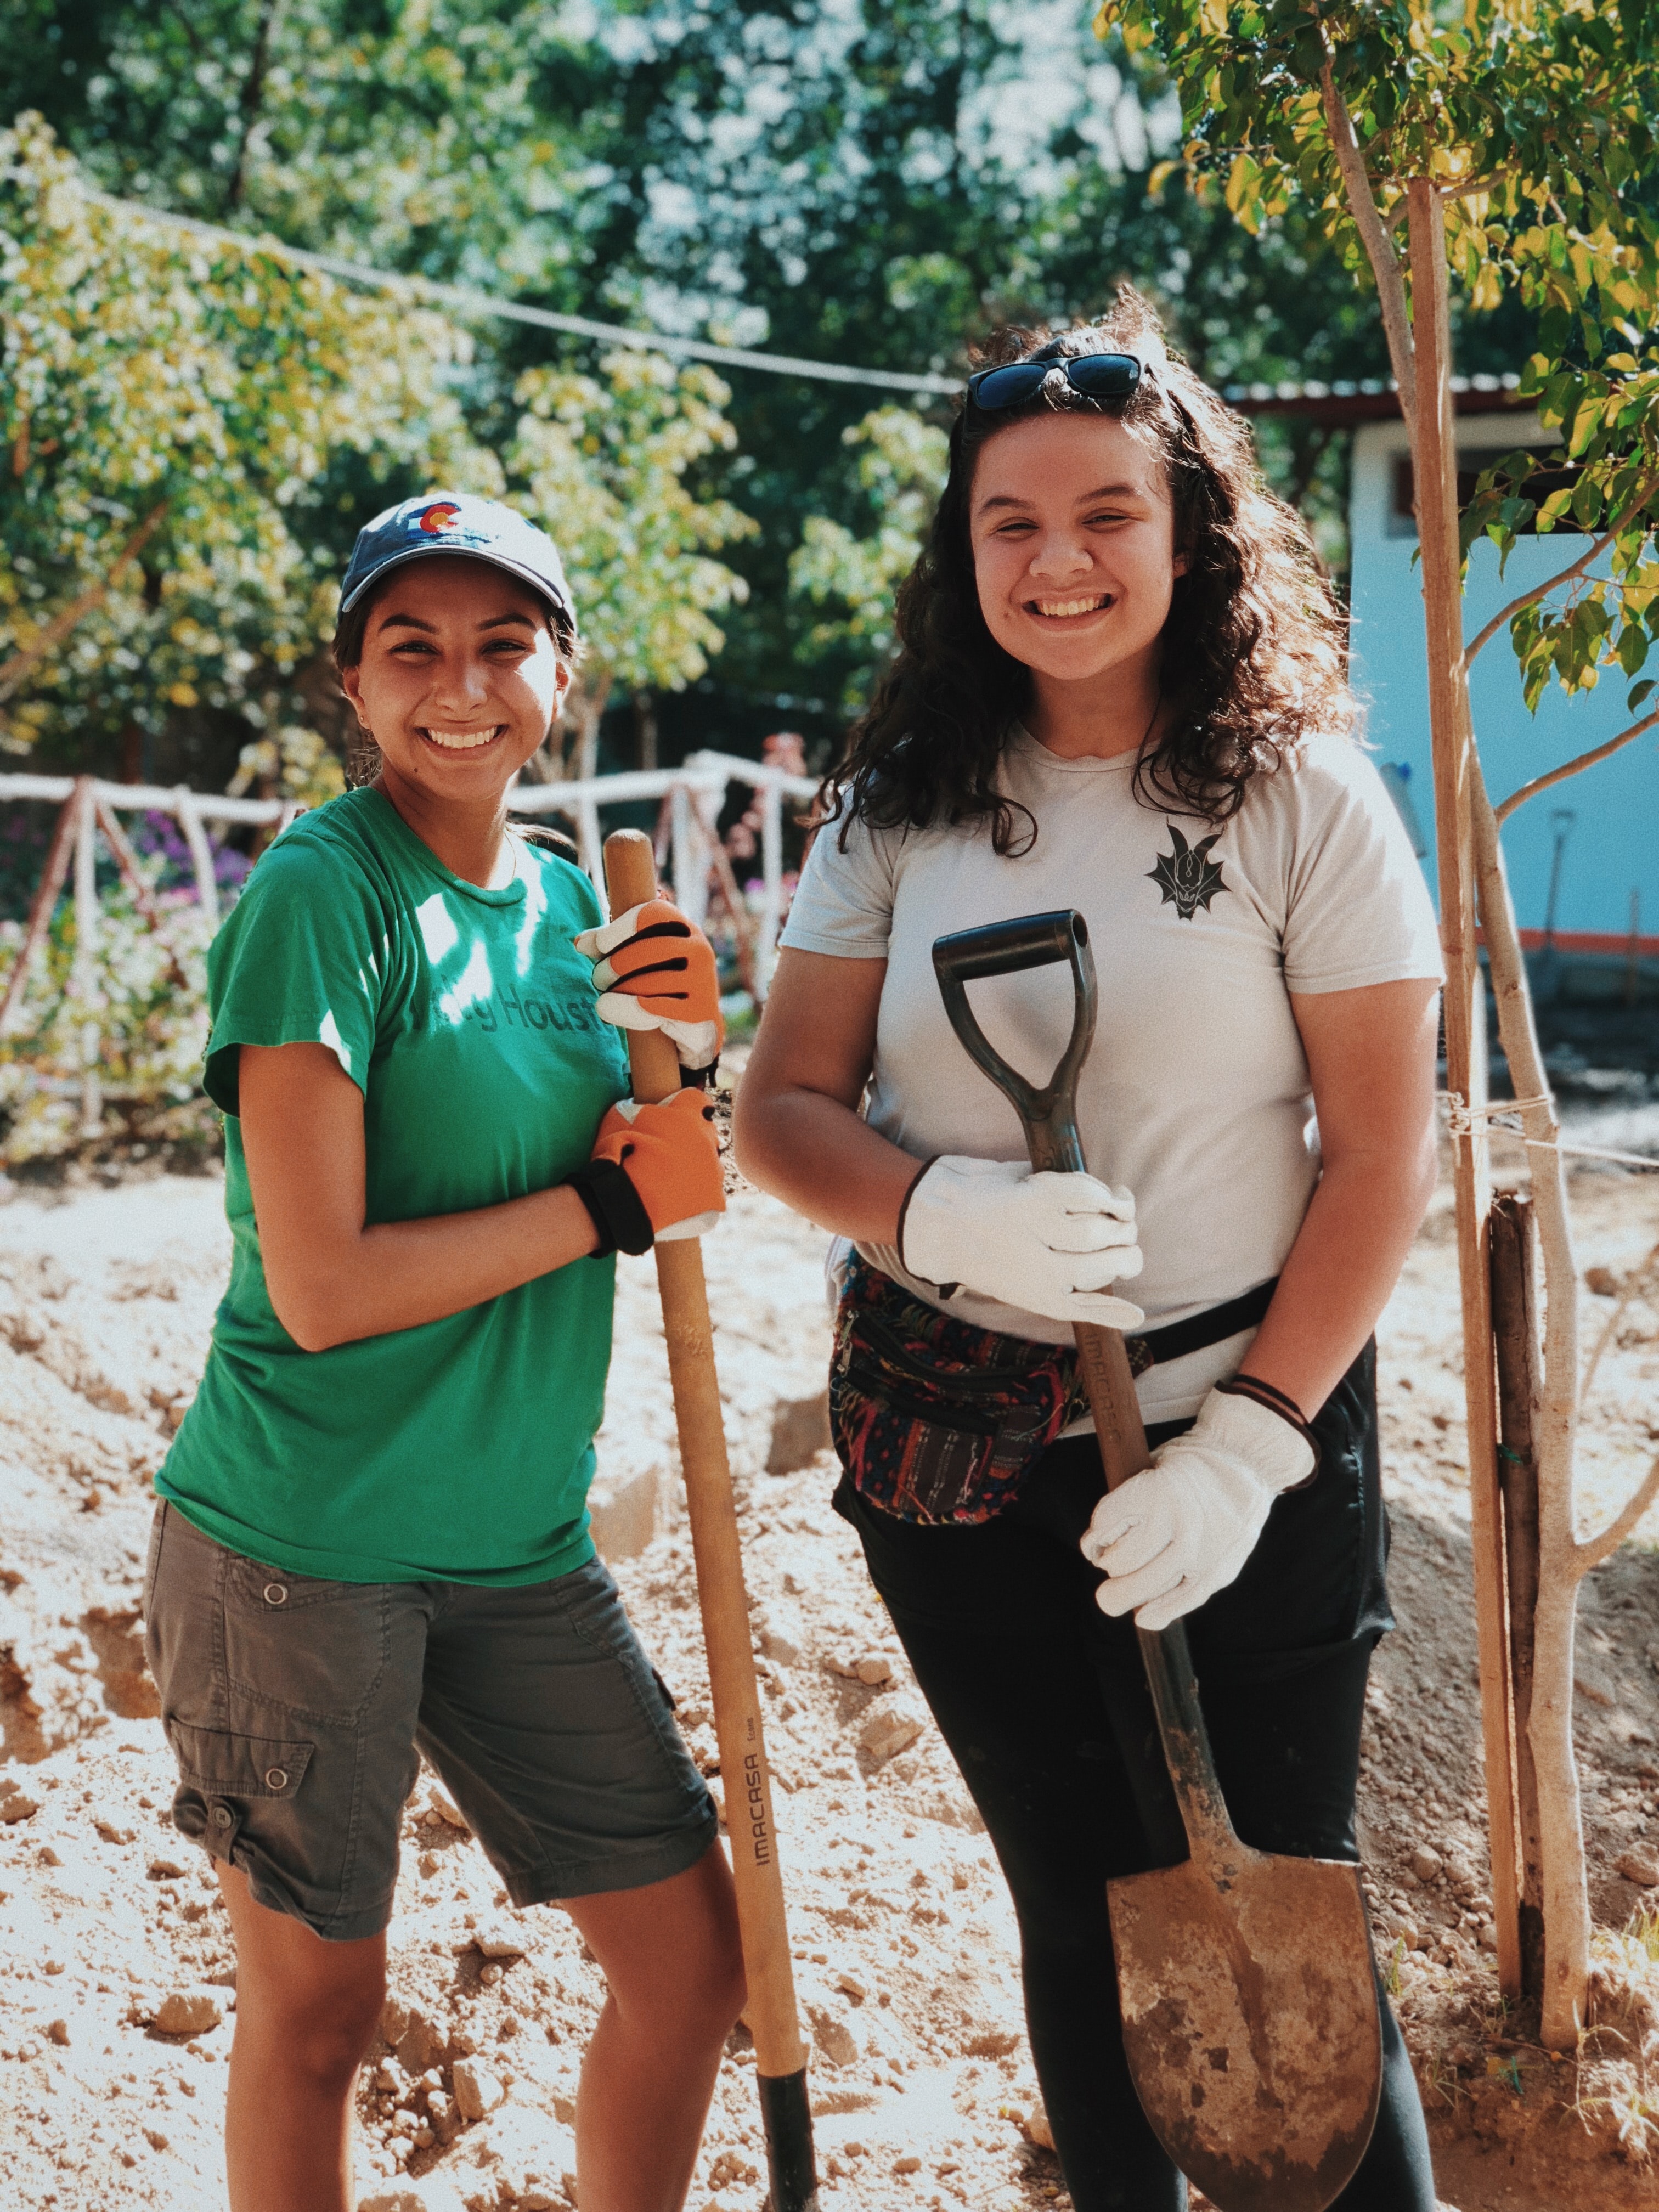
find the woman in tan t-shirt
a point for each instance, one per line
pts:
(1108, 581)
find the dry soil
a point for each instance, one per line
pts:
(121, 1985)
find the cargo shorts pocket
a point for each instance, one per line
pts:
(315, 1649)
(219, 1773)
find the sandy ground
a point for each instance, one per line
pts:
(120, 1996)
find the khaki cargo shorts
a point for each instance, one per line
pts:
(297, 1709)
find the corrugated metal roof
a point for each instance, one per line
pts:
(1374, 399)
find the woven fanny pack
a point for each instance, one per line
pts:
(938, 1421)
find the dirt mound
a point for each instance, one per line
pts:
(122, 1993)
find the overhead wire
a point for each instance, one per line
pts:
(467, 302)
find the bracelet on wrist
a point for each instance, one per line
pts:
(1278, 1401)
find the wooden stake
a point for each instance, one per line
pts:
(1435, 469)
(83, 972)
(201, 853)
(127, 860)
(1520, 1390)
(44, 904)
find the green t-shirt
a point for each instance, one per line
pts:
(460, 1450)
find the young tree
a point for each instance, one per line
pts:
(603, 461)
(1510, 140)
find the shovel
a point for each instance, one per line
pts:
(1249, 1994)
(630, 872)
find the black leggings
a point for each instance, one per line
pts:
(1043, 1703)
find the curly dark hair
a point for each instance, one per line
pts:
(1260, 666)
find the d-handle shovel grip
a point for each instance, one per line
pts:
(1008, 948)
(1048, 1117)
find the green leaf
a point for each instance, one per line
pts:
(1637, 694)
(1586, 500)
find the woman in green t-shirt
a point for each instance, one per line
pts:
(373, 1538)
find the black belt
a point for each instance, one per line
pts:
(1157, 1347)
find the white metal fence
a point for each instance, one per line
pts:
(691, 798)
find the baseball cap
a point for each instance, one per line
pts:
(456, 522)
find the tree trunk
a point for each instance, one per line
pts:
(1467, 844)
(645, 729)
(1434, 460)
(253, 93)
(1520, 1387)
(584, 708)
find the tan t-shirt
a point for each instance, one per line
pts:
(1196, 1093)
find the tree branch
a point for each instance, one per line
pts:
(1635, 1281)
(181, 17)
(1379, 248)
(1574, 767)
(127, 861)
(1586, 1556)
(253, 93)
(20, 664)
(1484, 637)
(1455, 192)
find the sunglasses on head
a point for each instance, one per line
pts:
(1096, 376)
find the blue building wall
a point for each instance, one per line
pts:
(1612, 845)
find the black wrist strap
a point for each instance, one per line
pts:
(615, 1207)
(699, 1078)
(945, 1290)
(1277, 1401)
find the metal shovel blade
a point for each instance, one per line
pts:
(1260, 2073)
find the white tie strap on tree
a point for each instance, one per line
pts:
(1502, 1116)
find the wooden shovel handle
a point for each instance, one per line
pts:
(1107, 1376)
(630, 871)
(1110, 1380)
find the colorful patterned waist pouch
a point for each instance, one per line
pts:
(940, 1421)
(935, 1419)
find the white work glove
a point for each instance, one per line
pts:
(1048, 1242)
(1171, 1536)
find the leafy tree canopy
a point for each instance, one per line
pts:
(604, 462)
(877, 182)
(1537, 125)
(901, 468)
(437, 136)
(172, 413)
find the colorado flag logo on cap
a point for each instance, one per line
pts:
(452, 523)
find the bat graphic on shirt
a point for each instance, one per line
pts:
(1187, 878)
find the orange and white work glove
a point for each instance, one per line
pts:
(655, 970)
(1170, 1537)
(654, 1173)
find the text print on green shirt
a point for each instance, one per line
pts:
(461, 1451)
